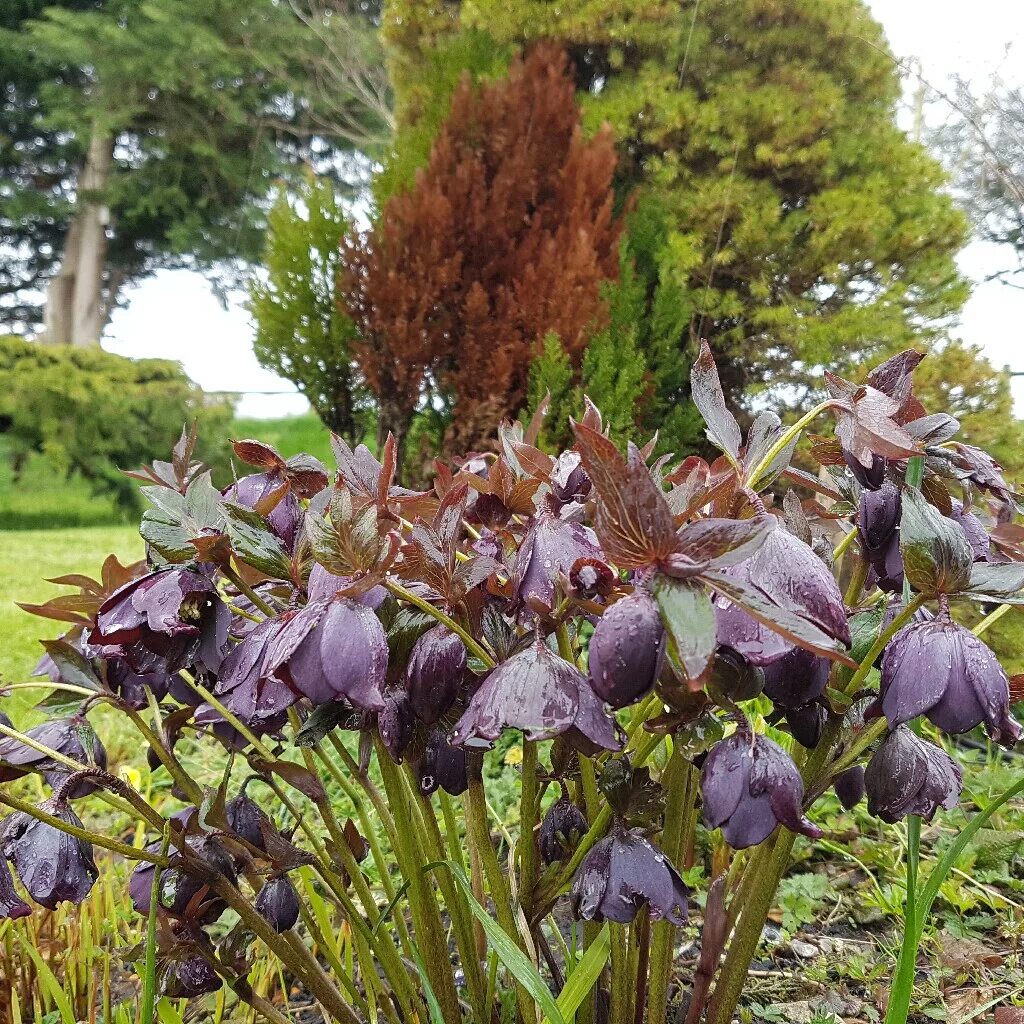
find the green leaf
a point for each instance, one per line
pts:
(581, 982)
(689, 618)
(937, 557)
(514, 959)
(325, 719)
(254, 543)
(75, 669)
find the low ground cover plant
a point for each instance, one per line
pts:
(674, 641)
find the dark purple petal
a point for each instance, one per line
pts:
(442, 766)
(849, 786)
(907, 775)
(550, 549)
(725, 778)
(323, 586)
(434, 673)
(189, 977)
(284, 517)
(12, 906)
(773, 772)
(278, 904)
(797, 678)
(626, 650)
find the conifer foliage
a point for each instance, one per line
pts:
(506, 237)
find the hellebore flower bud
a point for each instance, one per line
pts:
(878, 521)
(396, 723)
(541, 694)
(332, 650)
(944, 671)
(626, 650)
(569, 480)
(788, 572)
(189, 977)
(849, 786)
(560, 831)
(434, 674)
(733, 677)
(53, 866)
(622, 874)
(175, 613)
(65, 736)
(749, 785)
(284, 518)
(248, 821)
(871, 477)
(806, 723)
(442, 766)
(278, 903)
(12, 906)
(908, 775)
(550, 549)
(796, 679)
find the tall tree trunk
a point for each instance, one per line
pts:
(75, 309)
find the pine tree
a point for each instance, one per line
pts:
(781, 213)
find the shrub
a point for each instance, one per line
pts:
(352, 648)
(90, 411)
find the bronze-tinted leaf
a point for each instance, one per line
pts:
(256, 453)
(706, 390)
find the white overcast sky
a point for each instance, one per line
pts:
(175, 315)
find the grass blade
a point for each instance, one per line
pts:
(581, 982)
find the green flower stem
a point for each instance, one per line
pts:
(187, 785)
(320, 942)
(991, 619)
(854, 683)
(478, 833)
(232, 719)
(96, 838)
(47, 685)
(425, 606)
(857, 580)
(780, 445)
(236, 577)
(426, 915)
(529, 817)
(848, 539)
(677, 783)
(621, 982)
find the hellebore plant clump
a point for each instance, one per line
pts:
(642, 623)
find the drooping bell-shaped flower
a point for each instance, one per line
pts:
(332, 650)
(871, 476)
(878, 520)
(189, 977)
(249, 821)
(806, 723)
(624, 873)
(175, 613)
(278, 903)
(442, 766)
(849, 786)
(132, 679)
(66, 736)
(247, 690)
(550, 549)
(12, 906)
(185, 894)
(733, 677)
(942, 670)
(797, 678)
(396, 723)
(284, 518)
(433, 676)
(541, 694)
(750, 785)
(787, 571)
(626, 649)
(908, 775)
(54, 867)
(561, 830)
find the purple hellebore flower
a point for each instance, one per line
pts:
(733, 677)
(749, 785)
(278, 903)
(627, 649)
(324, 586)
(569, 480)
(396, 723)
(622, 874)
(53, 866)
(878, 521)
(561, 830)
(796, 679)
(788, 572)
(908, 775)
(541, 694)
(442, 766)
(12, 906)
(550, 549)
(974, 530)
(849, 786)
(331, 650)
(806, 723)
(189, 977)
(63, 735)
(244, 687)
(284, 518)
(433, 676)
(175, 613)
(183, 894)
(248, 821)
(942, 670)
(131, 679)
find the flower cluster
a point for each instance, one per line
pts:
(594, 602)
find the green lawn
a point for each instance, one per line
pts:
(27, 559)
